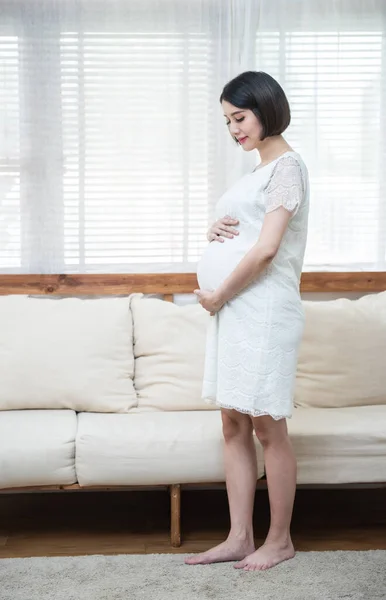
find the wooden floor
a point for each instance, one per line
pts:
(69, 524)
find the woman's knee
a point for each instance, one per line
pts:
(269, 431)
(235, 424)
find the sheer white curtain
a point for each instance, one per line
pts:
(113, 148)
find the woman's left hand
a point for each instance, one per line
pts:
(210, 301)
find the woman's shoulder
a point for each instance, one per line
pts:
(289, 168)
(291, 158)
(284, 165)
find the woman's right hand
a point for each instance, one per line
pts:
(222, 228)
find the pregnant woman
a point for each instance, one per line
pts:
(249, 279)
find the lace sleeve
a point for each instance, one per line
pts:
(285, 187)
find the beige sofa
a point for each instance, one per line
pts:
(105, 393)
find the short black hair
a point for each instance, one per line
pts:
(264, 96)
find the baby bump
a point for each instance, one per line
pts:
(220, 259)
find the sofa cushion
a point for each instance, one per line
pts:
(169, 350)
(37, 447)
(66, 353)
(341, 359)
(340, 445)
(151, 448)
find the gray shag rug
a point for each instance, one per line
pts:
(309, 576)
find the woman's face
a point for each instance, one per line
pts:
(243, 125)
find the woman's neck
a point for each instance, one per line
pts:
(272, 147)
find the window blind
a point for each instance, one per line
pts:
(136, 119)
(10, 210)
(113, 149)
(335, 84)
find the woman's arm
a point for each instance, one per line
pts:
(284, 194)
(258, 258)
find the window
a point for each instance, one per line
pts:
(10, 210)
(334, 84)
(113, 149)
(135, 122)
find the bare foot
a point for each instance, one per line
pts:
(225, 552)
(267, 556)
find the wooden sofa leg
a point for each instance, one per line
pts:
(175, 506)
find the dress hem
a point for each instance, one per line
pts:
(251, 412)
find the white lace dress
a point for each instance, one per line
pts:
(252, 342)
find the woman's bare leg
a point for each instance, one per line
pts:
(280, 465)
(241, 475)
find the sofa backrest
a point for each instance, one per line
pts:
(342, 357)
(60, 354)
(66, 353)
(169, 351)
